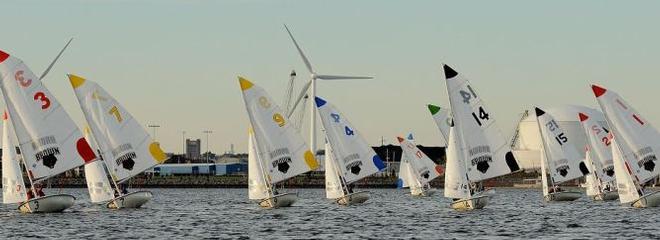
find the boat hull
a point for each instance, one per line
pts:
(130, 200)
(47, 204)
(606, 196)
(422, 193)
(353, 198)
(467, 204)
(564, 196)
(280, 200)
(648, 200)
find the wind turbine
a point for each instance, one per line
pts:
(312, 86)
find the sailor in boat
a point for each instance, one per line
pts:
(350, 188)
(38, 189)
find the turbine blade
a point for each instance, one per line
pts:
(302, 55)
(43, 75)
(302, 94)
(337, 77)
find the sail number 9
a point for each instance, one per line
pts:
(115, 112)
(279, 119)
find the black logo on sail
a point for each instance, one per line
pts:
(425, 174)
(563, 170)
(46, 156)
(282, 164)
(354, 167)
(482, 162)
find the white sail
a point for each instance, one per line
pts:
(592, 183)
(632, 131)
(127, 148)
(279, 145)
(257, 185)
(456, 182)
(600, 151)
(486, 150)
(626, 187)
(544, 175)
(49, 140)
(423, 167)
(564, 162)
(354, 156)
(406, 178)
(333, 185)
(98, 184)
(442, 119)
(13, 187)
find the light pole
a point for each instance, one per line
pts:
(208, 153)
(153, 129)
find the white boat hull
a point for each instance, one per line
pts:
(280, 200)
(353, 198)
(606, 196)
(47, 204)
(648, 200)
(563, 196)
(472, 203)
(130, 200)
(423, 193)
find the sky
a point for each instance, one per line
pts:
(175, 62)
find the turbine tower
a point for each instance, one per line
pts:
(311, 85)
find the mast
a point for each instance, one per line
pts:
(312, 131)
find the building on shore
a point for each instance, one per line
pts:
(193, 149)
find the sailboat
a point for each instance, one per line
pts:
(50, 142)
(600, 183)
(417, 170)
(124, 145)
(560, 157)
(634, 149)
(477, 149)
(98, 185)
(277, 152)
(349, 156)
(13, 186)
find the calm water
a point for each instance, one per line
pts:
(390, 214)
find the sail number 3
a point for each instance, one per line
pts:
(38, 96)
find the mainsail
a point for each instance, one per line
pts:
(626, 186)
(125, 145)
(406, 175)
(333, 184)
(49, 140)
(485, 148)
(442, 119)
(564, 162)
(456, 182)
(635, 133)
(354, 156)
(98, 184)
(278, 144)
(257, 186)
(13, 187)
